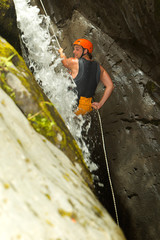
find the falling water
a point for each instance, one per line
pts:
(43, 59)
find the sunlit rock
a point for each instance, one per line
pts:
(42, 195)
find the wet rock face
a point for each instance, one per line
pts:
(133, 26)
(126, 42)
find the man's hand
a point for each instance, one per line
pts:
(96, 105)
(62, 55)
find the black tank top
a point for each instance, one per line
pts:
(88, 78)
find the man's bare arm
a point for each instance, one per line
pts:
(106, 80)
(66, 61)
(69, 63)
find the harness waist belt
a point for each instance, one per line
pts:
(84, 106)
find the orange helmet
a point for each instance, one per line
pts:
(85, 44)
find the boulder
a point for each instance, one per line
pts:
(42, 194)
(18, 82)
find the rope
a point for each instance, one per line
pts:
(100, 122)
(52, 27)
(108, 171)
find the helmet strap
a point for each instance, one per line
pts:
(83, 52)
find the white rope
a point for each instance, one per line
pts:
(52, 27)
(108, 171)
(111, 186)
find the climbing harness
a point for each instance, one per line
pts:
(50, 25)
(84, 106)
(102, 134)
(107, 165)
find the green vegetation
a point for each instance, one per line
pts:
(71, 215)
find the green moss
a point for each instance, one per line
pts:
(157, 8)
(5, 65)
(3, 102)
(157, 16)
(154, 91)
(150, 86)
(49, 223)
(42, 124)
(27, 160)
(9, 24)
(4, 5)
(8, 90)
(63, 213)
(19, 141)
(6, 185)
(97, 211)
(74, 172)
(48, 196)
(67, 177)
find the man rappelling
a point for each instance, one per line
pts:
(86, 73)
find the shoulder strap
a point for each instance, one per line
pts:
(81, 70)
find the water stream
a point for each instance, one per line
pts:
(44, 61)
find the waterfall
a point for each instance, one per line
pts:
(44, 61)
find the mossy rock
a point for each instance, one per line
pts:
(8, 23)
(154, 91)
(18, 82)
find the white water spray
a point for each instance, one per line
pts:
(43, 59)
